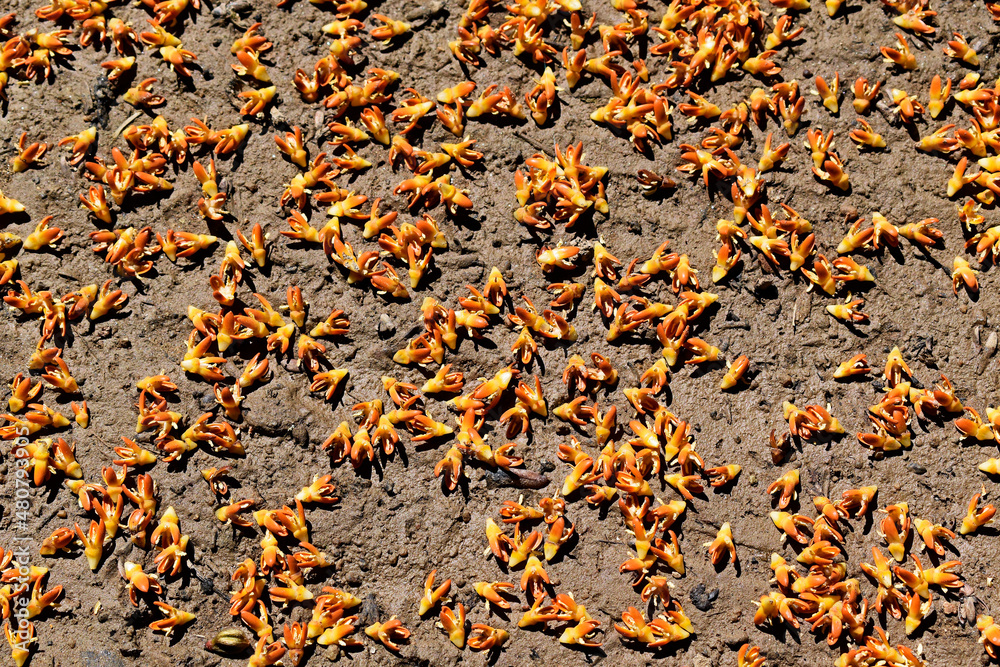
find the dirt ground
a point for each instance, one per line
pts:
(393, 525)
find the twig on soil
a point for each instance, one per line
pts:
(533, 142)
(126, 123)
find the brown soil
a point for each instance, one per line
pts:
(394, 524)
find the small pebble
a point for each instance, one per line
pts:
(386, 326)
(991, 344)
(701, 598)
